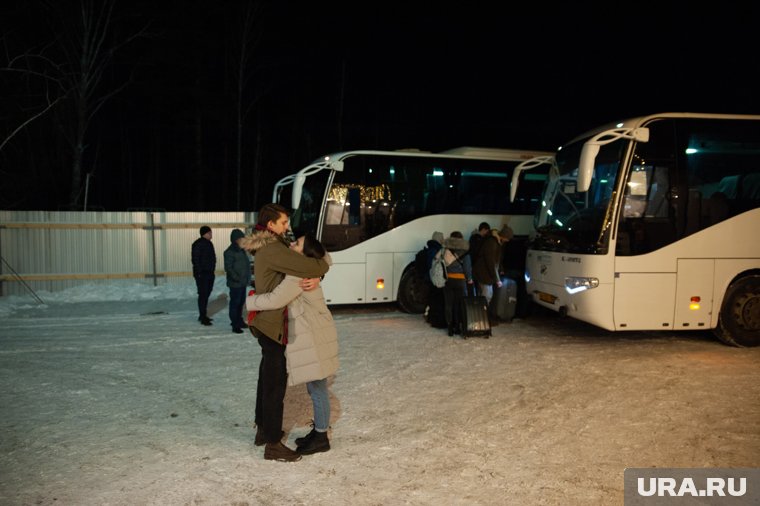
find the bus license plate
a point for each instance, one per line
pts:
(547, 297)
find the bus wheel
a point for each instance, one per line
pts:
(739, 323)
(413, 292)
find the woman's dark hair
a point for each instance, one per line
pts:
(271, 212)
(457, 233)
(312, 247)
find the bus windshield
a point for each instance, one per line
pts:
(305, 217)
(573, 221)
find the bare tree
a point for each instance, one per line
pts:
(42, 78)
(247, 94)
(87, 50)
(52, 96)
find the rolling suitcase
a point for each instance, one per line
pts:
(504, 300)
(475, 317)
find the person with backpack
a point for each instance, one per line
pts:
(458, 278)
(424, 257)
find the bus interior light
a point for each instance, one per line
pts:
(576, 284)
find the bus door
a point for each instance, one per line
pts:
(645, 282)
(644, 300)
(338, 286)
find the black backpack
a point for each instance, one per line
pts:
(421, 264)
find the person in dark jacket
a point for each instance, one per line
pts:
(237, 266)
(203, 257)
(476, 239)
(486, 266)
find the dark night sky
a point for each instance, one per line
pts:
(370, 76)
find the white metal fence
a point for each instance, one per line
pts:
(54, 250)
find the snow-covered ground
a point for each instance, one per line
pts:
(117, 396)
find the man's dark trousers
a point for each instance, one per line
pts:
(270, 391)
(237, 300)
(205, 283)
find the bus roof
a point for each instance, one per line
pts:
(641, 120)
(461, 152)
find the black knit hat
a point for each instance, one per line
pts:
(236, 234)
(205, 229)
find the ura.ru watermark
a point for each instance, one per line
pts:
(681, 486)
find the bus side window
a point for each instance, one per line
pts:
(717, 208)
(657, 207)
(749, 191)
(693, 212)
(333, 213)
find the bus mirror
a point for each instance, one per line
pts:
(298, 182)
(586, 165)
(591, 149)
(300, 178)
(641, 134)
(282, 183)
(515, 182)
(527, 165)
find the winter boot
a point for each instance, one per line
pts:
(318, 443)
(280, 452)
(308, 437)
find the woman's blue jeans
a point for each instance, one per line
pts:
(320, 399)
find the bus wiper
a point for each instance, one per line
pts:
(550, 239)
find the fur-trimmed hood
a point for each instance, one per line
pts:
(456, 243)
(258, 239)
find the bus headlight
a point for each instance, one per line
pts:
(527, 276)
(577, 284)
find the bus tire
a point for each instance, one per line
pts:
(739, 322)
(413, 292)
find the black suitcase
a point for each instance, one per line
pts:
(475, 317)
(504, 301)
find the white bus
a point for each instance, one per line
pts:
(654, 224)
(373, 210)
